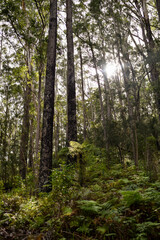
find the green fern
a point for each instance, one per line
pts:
(90, 206)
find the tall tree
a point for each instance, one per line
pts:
(71, 91)
(27, 100)
(48, 111)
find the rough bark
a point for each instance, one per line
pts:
(48, 111)
(71, 91)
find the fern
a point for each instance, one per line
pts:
(90, 206)
(131, 197)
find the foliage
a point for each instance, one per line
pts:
(118, 204)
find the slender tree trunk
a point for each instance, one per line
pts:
(107, 95)
(26, 116)
(31, 141)
(83, 98)
(4, 148)
(38, 116)
(71, 91)
(48, 111)
(38, 131)
(126, 75)
(57, 136)
(158, 8)
(1, 45)
(100, 97)
(25, 133)
(150, 47)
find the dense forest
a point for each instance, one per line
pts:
(80, 119)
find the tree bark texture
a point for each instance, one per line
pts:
(48, 111)
(71, 91)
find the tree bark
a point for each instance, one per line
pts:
(158, 8)
(71, 91)
(48, 111)
(1, 46)
(83, 97)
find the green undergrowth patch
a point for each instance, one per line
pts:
(116, 203)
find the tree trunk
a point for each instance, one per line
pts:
(100, 96)
(48, 111)
(158, 8)
(127, 85)
(1, 45)
(71, 92)
(25, 133)
(57, 137)
(83, 98)
(4, 141)
(30, 163)
(26, 116)
(150, 47)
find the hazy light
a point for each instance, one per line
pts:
(111, 69)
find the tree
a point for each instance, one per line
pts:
(48, 111)
(71, 92)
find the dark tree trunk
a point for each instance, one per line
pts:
(71, 92)
(48, 111)
(158, 8)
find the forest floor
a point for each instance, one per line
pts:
(115, 204)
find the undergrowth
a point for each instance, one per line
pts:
(119, 203)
